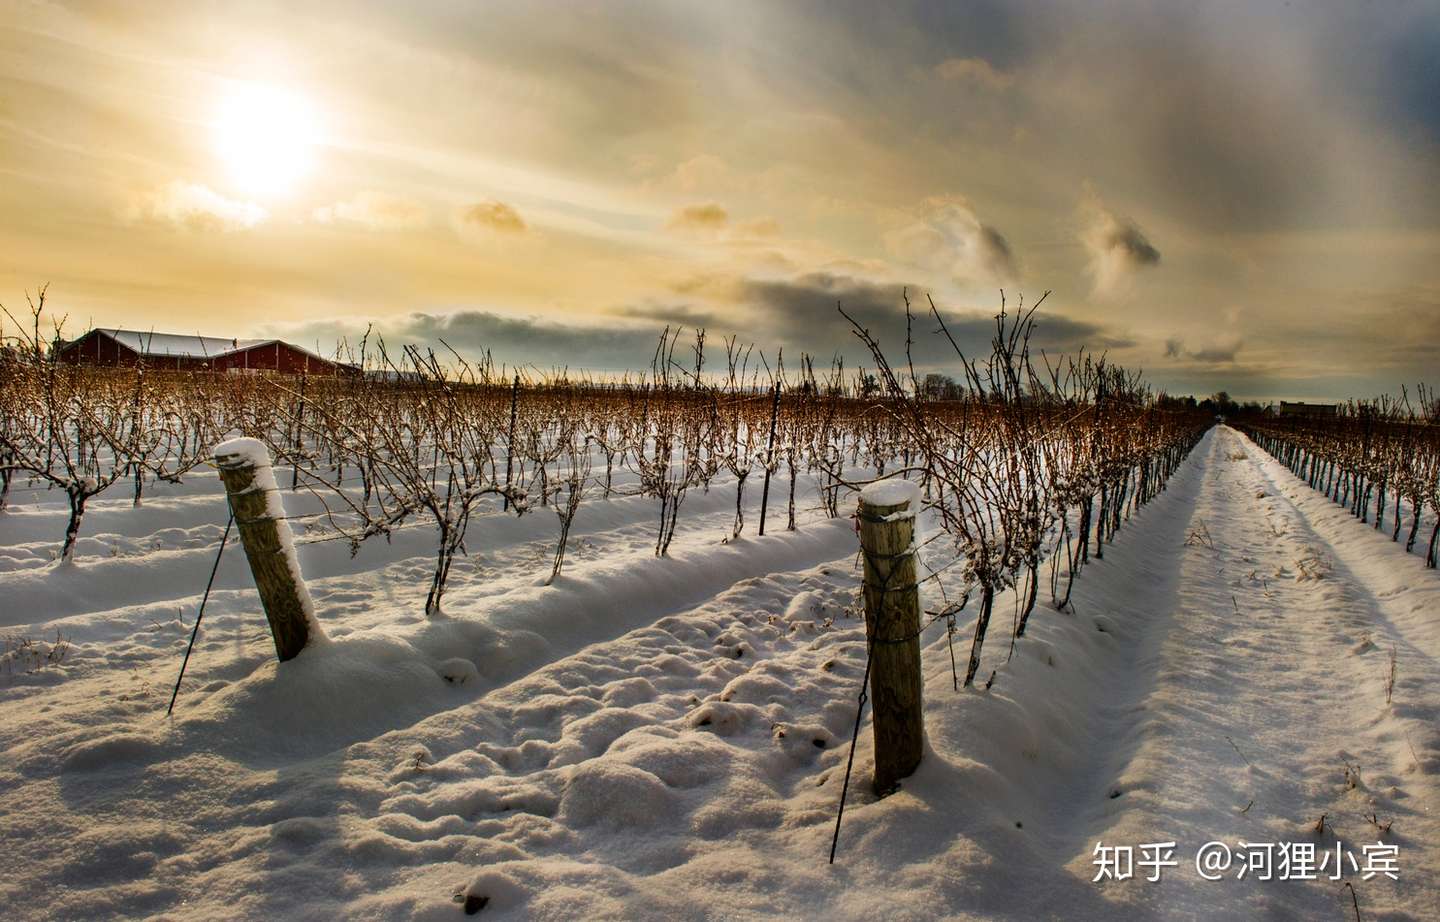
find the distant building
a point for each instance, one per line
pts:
(175, 352)
(1308, 409)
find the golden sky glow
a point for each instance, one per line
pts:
(1242, 195)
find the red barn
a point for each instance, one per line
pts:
(274, 355)
(196, 353)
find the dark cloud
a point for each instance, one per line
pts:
(806, 306)
(948, 236)
(510, 340)
(800, 315)
(1117, 246)
(1214, 354)
(997, 255)
(1129, 240)
(804, 312)
(1410, 75)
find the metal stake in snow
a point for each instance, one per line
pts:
(269, 546)
(510, 445)
(769, 454)
(892, 626)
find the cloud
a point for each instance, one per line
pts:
(510, 339)
(195, 207)
(377, 211)
(1117, 246)
(494, 216)
(973, 70)
(802, 312)
(805, 307)
(703, 217)
(949, 237)
(683, 315)
(1218, 353)
(1215, 355)
(797, 314)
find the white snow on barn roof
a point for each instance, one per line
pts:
(175, 344)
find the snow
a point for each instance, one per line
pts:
(656, 738)
(242, 451)
(892, 491)
(149, 343)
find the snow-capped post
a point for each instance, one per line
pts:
(269, 545)
(892, 627)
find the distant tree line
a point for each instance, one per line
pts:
(1219, 403)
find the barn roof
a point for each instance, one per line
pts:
(173, 344)
(245, 344)
(202, 347)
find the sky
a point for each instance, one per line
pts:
(1227, 195)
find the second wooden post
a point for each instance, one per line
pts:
(892, 627)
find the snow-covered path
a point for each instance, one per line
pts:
(665, 738)
(1268, 705)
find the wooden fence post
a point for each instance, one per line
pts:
(269, 545)
(892, 627)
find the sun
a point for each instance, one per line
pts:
(265, 136)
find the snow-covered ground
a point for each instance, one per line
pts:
(667, 738)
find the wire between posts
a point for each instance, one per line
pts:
(850, 761)
(201, 613)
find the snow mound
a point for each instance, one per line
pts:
(330, 693)
(109, 751)
(458, 671)
(805, 606)
(724, 719)
(687, 761)
(493, 890)
(605, 792)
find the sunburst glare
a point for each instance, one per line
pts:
(266, 138)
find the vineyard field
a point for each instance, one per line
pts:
(619, 742)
